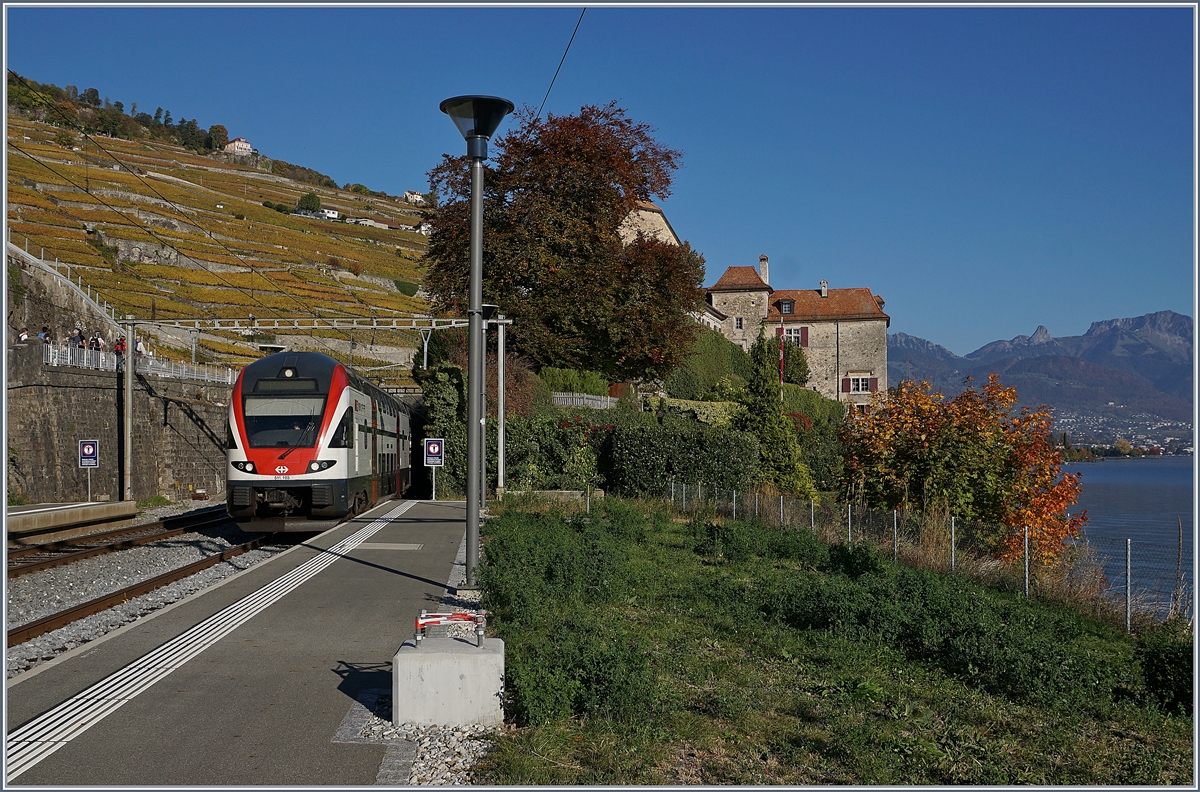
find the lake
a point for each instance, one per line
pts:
(1143, 500)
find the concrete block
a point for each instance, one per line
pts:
(448, 682)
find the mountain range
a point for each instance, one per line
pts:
(1137, 365)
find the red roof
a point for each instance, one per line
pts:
(740, 279)
(840, 304)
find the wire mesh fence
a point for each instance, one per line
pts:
(1126, 582)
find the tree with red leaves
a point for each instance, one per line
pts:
(970, 454)
(556, 193)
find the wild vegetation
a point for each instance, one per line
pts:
(646, 649)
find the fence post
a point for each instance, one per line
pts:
(780, 511)
(895, 538)
(951, 543)
(849, 539)
(756, 504)
(1026, 562)
(735, 504)
(1128, 585)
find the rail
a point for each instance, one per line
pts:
(62, 353)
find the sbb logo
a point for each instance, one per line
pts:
(281, 469)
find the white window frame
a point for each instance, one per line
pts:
(792, 334)
(860, 383)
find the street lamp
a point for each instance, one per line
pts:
(476, 118)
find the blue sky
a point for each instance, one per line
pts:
(985, 170)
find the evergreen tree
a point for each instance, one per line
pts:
(795, 363)
(779, 449)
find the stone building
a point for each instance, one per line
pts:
(843, 331)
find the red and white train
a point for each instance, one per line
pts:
(311, 442)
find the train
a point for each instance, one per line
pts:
(310, 442)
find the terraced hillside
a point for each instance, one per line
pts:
(162, 232)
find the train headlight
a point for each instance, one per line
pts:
(324, 464)
(248, 467)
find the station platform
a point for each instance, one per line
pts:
(50, 522)
(205, 694)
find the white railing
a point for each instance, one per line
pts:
(62, 353)
(584, 400)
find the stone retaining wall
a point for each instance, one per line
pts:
(178, 432)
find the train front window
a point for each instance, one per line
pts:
(283, 422)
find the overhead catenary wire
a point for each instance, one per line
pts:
(560, 64)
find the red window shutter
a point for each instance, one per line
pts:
(873, 385)
(778, 331)
(803, 336)
(845, 384)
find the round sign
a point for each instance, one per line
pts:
(434, 448)
(88, 449)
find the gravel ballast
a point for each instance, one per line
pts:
(40, 594)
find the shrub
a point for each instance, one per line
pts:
(404, 287)
(239, 216)
(573, 381)
(269, 205)
(644, 455)
(714, 358)
(995, 642)
(1165, 654)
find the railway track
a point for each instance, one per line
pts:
(35, 558)
(44, 625)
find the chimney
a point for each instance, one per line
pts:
(762, 269)
(824, 288)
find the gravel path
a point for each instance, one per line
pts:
(41, 594)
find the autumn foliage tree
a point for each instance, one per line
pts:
(969, 454)
(556, 193)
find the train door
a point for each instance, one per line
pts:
(375, 466)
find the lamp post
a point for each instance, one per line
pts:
(489, 311)
(476, 118)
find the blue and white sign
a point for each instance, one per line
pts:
(89, 453)
(435, 452)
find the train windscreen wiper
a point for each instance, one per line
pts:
(311, 425)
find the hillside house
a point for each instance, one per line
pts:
(413, 197)
(330, 214)
(239, 147)
(843, 331)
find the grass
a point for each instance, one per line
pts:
(644, 649)
(154, 502)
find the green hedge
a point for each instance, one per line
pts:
(643, 456)
(713, 358)
(573, 381)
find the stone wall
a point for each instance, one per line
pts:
(751, 306)
(838, 349)
(46, 300)
(178, 432)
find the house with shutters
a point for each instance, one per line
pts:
(843, 331)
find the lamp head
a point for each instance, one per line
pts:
(476, 117)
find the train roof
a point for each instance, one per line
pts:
(311, 365)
